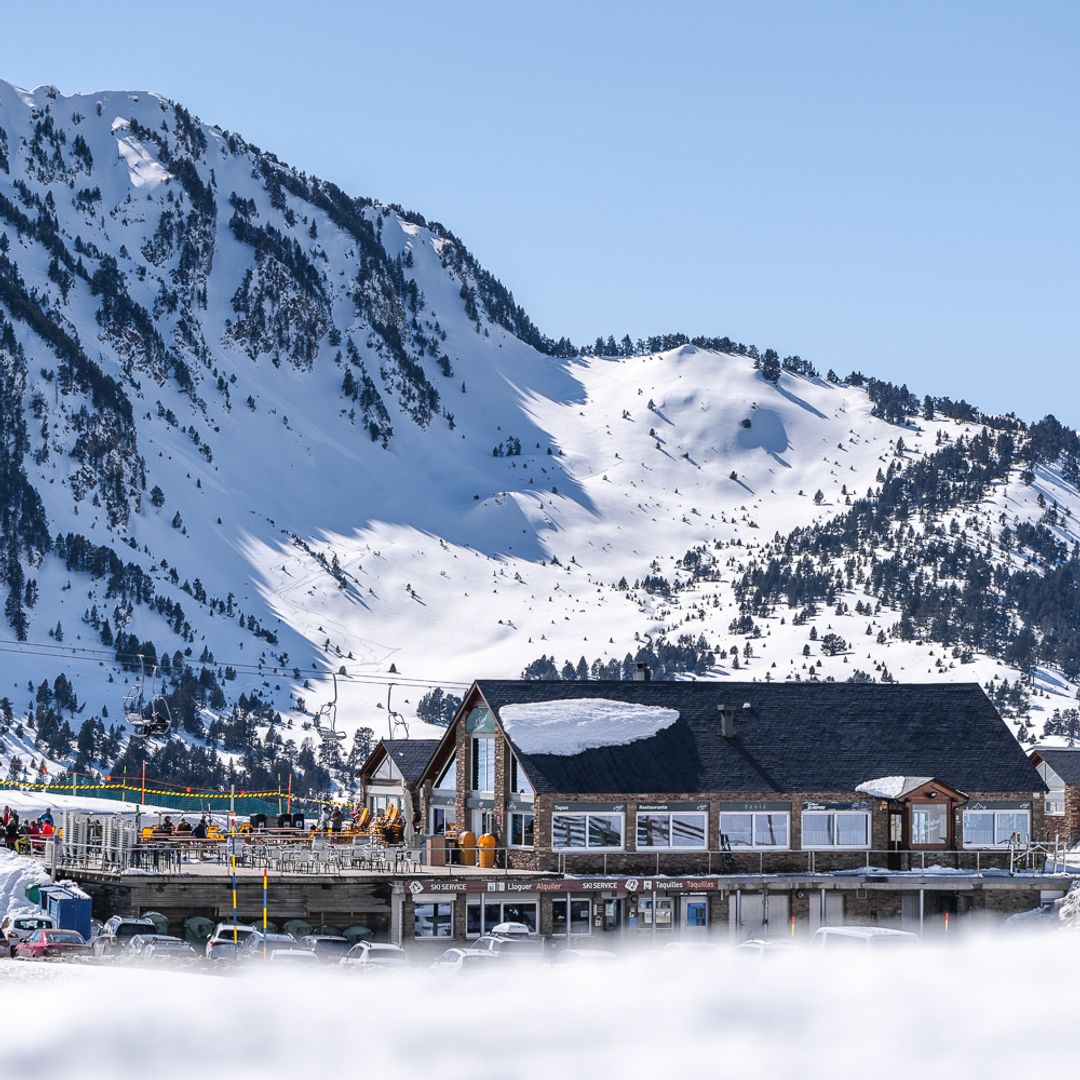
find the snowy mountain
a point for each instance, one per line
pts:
(259, 430)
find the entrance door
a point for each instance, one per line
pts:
(694, 916)
(826, 909)
(759, 915)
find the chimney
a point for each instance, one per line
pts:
(727, 721)
(642, 672)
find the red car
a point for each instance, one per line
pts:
(52, 945)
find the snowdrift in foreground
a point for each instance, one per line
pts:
(569, 726)
(802, 1015)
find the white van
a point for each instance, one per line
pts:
(19, 925)
(868, 938)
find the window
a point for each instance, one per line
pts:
(519, 782)
(448, 777)
(385, 771)
(483, 764)
(434, 920)
(483, 821)
(664, 830)
(1055, 803)
(521, 830)
(580, 917)
(592, 831)
(379, 804)
(482, 916)
(441, 817)
(929, 824)
(759, 830)
(835, 829)
(665, 908)
(995, 828)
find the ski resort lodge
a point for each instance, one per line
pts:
(636, 810)
(1059, 768)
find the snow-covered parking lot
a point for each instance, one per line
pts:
(987, 1008)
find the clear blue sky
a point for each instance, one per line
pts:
(890, 187)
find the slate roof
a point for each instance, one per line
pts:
(411, 756)
(1063, 760)
(794, 737)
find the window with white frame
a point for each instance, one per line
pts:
(434, 920)
(380, 804)
(679, 830)
(1055, 803)
(441, 818)
(483, 763)
(835, 829)
(572, 915)
(577, 831)
(995, 828)
(756, 829)
(521, 829)
(482, 916)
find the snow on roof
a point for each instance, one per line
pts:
(892, 787)
(567, 726)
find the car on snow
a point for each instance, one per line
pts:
(374, 954)
(16, 927)
(583, 957)
(52, 944)
(260, 943)
(164, 949)
(137, 945)
(458, 960)
(872, 939)
(328, 947)
(512, 946)
(117, 933)
(763, 948)
(294, 957)
(222, 945)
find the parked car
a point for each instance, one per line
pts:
(169, 950)
(370, 954)
(515, 946)
(868, 938)
(297, 957)
(328, 947)
(457, 960)
(765, 947)
(117, 933)
(221, 944)
(137, 945)
(259, 944)
(696, 948)
(52, 944)
(19, 926)
(583, 956)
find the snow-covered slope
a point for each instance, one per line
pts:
(316, 436)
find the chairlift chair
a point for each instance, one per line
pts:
(159, 720)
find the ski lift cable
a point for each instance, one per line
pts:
(101, 656)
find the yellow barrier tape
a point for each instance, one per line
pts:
(19, 786)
